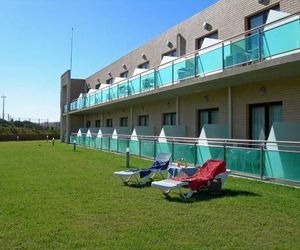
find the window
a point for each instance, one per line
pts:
(170, 53)
(98, 86)
(109, 81)
(97, 124)
(260, 18)
(143, 120)
(124, 74)
(109, 123)
(200, 40)
(88, 124)
(124, 122)
(169, 119)
(262, 117)
(207, 116)
(145, 65)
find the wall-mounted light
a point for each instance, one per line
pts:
(262, 91)
(98, 80)
(170, 44)
(124, 66)
(206, 99)
(109, 73)
(144, 56)
(207, 26)
(264, 2)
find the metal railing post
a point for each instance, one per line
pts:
(261, 161)
(224, 150)
(154, 150)
(195, 65)
(223, 59)
(140, 83)
(117, 145)
(172, 72)
(172, 150)
(128, 91)
(109, 144)
(195, 152)
(101, 147)
(140, 148)
(155, 78)
(259, 45)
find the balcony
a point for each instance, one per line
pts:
(273, 40)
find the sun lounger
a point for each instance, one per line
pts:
(141, 177)
(211, 176)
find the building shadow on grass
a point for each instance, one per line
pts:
(203, 196)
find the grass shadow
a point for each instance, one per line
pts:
(206, 196)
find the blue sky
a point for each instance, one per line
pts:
(35, 43)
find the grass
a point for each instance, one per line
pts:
(52, 197)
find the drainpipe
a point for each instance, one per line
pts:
(229, 113)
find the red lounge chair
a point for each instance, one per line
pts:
(211, 175)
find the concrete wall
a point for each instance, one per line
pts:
(229, 17)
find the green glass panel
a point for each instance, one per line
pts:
(98, 97)
(147, 81)
(134, 86)
(210, 61)
(122, 89)
(205, 153)
(242, 51)
(123, 145)
(105, 95)
(93, 142)
(98, 142)
(164, 76)
(281, 39)
(280, 164)
(147, 148)
(184, 151)
(114, 92)
(134, 147)
(105, 143)
(245, 160)
(184, 69)
(114, 144)
(162, 147)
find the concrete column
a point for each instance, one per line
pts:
(102, 119)
(229, 113)
(177, 111)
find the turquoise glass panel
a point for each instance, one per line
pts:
(283, 165)
(147, 81)
(245, 160)
(105, 143)
(163, 147)
(134, 147)
(105, 95)
(281, 39)
(114, 144)
(210, 61)
(205, 153)
(114, 92)
(164, 76)
(184, 69)
(98, 142)
(147, 148)
(93, 142)
(98, 97)
(123, 145)
(184, 151)
(123, 89)
(242, 51)
(134, 86)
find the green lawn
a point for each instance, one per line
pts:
(52, 197)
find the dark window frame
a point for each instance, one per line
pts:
(266, 105)
(122, 120)
(97, 86)
(141, 66)
(109, 81)
(209, 110)
(173, 119)
(146, 118)
(125, 72)
(208, 35)
(109, 122)
(97, 123)
(170, 52)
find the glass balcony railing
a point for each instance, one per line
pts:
(267, 42)
(66, 108)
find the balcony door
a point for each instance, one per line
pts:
(262, 117)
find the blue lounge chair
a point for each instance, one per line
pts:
(136, 176)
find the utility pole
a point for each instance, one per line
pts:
(3, 106)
